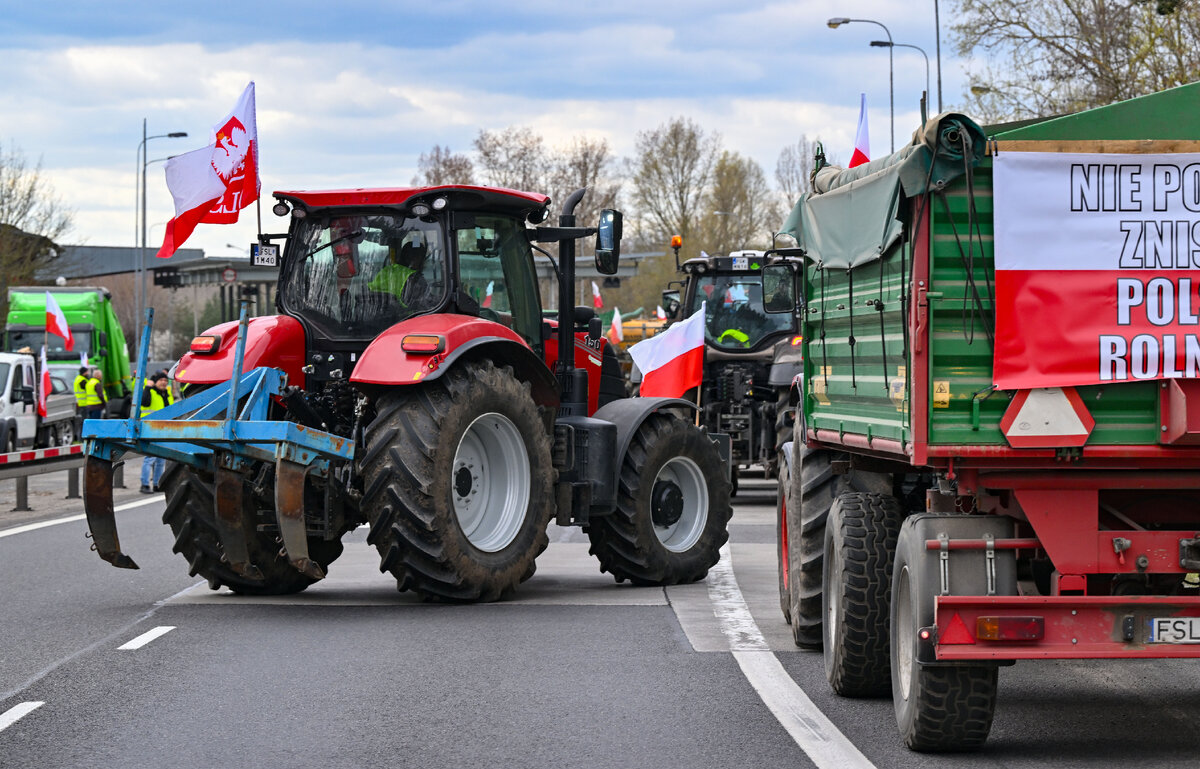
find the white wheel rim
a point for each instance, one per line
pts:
(489, 482)
(683, 534)
(67, 436)
(905, 638)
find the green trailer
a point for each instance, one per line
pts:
(97, 334)
(998, 439)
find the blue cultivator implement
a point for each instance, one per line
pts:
(218, 431)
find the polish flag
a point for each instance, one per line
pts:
(597, 302)
(44, 389)
(862, 145)
(487, 300)
(659, 312)
(616, 333)
(672, 362)
(56, 322)
(214, 183)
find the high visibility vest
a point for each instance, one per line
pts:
(392, 279)
(92, 393)
(80, 387)
(157, 401)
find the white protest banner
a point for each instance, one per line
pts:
(1097, 268)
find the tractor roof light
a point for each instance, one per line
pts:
(439, 203)
(423, 344)
(281, 209)
(676, 241)
(420, 209)
(205, 344)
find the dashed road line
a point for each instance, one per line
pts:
(816, 735)
(17, 712)
(146, 637)
(72, 518)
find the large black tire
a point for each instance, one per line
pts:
(860, 542)
(191, 514)
(420, 484)
(814, 488)
(655, 537)
(784, 414)
(782, 556)
(938, 708)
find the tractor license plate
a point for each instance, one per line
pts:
(1175, 630)
(741, 263)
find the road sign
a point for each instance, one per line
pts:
(229, 275)
(1047, 417)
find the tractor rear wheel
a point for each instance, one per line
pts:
(673, 507)
(191, 514)
(459, 484)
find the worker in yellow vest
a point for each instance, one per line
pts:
(80, 389)
(156, 394)
(93, 398)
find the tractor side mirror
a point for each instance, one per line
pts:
(608, 241)
(670, 302)
(779, 288)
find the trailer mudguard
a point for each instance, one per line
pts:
(273, 341)
(629, 413)
(385, 362)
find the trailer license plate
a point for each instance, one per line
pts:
(1175, 630)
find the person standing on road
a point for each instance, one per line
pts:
(155, 395)
(80, 388)
(94, 398)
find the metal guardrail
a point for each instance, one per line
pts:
(19, 465)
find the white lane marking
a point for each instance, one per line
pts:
(816, 735)
(72, 518)
(17, 712)
(147, 637)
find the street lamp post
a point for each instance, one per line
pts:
(937, 30)
(889, 44)
(836, 22)
(140, 273)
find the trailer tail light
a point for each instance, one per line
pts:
(1010, 628)
(423, 344)
(206, 344)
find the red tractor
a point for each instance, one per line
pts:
(410, 324)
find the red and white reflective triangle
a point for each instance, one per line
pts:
(1047, 417)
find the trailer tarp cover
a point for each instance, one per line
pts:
(839, 224)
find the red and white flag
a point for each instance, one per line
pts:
(862, 145)
(487, 299)
(659, 312)
(44, 385)
(597, 302)
(56, 322)
(616, 333)
(213, 184)
(672, 362)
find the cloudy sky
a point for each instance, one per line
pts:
(350, 93)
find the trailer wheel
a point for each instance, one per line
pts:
(458, 484)
(673, 507)
(938, 708)
(191, 514)
(860, 542)
(815, 486)
(782, 556)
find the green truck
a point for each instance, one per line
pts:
(995, 455)
(95, 328)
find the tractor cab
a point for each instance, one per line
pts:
(738, 316)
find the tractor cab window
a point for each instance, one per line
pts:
(734, 316)
(358, 275)
(495, 268)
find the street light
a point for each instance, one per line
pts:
(140, 288)
(889, 44)
(937, 30)
(838, 21)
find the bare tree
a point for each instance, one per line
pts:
(441, 166)
(32, 221)
(585, 163)
(515, 158)
(671, 174)
(1046, 57)
(740, 209)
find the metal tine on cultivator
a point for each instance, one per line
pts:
(218, 431)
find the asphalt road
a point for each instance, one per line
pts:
(576, 671)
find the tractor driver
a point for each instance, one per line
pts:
(401, 276)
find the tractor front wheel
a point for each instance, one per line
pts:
(673, 507)
(458, 484)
